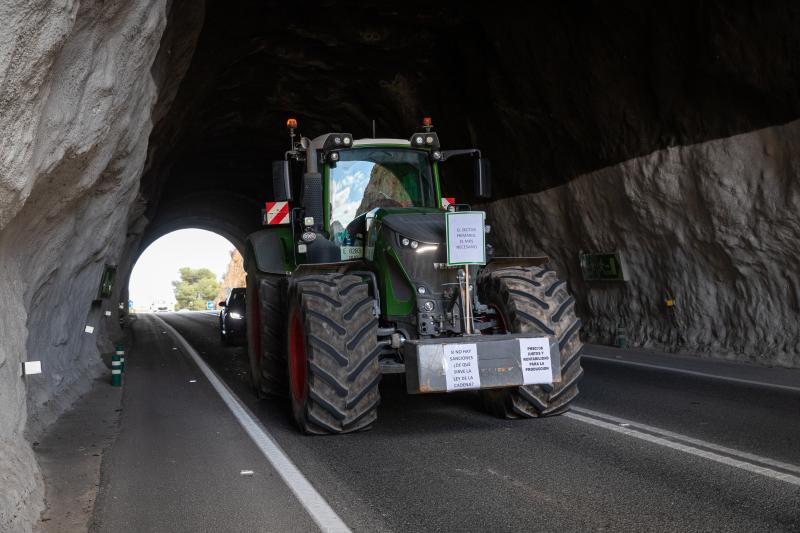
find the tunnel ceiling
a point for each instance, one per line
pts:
(548, 91)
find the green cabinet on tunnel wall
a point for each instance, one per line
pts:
(107, 280)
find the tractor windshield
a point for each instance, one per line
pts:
(366, 178)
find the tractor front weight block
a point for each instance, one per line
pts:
(481, 362)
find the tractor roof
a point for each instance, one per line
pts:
(371, 142)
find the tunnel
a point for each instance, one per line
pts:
(665, 133)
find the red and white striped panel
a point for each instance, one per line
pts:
(277, 213)
(447, 202)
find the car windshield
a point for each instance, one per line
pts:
(237, 298)
(366, 178)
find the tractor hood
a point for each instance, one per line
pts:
(426, 226)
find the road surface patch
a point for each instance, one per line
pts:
(735, 458)
(696, 373)
(316, 506)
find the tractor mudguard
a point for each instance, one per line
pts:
(497, 263)
(266, 248)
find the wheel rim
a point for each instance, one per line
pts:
(297, 358)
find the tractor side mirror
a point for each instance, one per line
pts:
(222, 303)
(483, 178)
(281, 181)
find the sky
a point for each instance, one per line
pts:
(152, 276)
(349, 191)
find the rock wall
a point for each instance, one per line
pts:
(79, 83)
(234, 276)
(716, 225)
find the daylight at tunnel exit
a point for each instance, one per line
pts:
(327, 266)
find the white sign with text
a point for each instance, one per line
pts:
(537, 366)
(461, 366)
(466, 236)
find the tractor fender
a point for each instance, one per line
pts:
(496, 263)
(266, 252)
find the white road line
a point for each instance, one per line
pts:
(692, 373)
(319, 510)
(711, 456)
(690, 440)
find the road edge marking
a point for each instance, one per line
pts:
(747, 456)
(313, 502)
(711, 456)
(762, 384)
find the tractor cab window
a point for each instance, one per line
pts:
(366, 178)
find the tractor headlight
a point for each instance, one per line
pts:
(414, 244)
(404, 241)
(428, 306)
(235, 316)
(427, 248)
(336, 140)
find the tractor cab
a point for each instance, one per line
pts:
(346, 182)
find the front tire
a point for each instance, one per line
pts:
(266, 330)
(333, 354)
(534, 300)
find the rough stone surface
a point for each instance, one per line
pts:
(234, 276)
(76, 94)
(547, 90)
(715, 224)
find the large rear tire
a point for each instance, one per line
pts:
(534, 300)
(266, 333)
(332, 352)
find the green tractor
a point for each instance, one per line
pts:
(364, 268)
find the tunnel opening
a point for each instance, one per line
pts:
(176, 263)
(616, 125)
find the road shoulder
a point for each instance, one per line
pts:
(70, 456)
(735, 372)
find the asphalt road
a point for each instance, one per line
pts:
(644, 450)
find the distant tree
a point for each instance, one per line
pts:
(195, 288)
